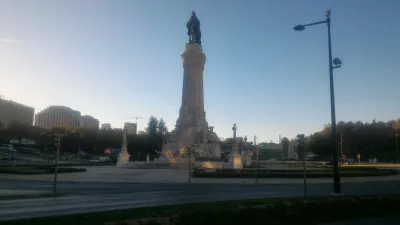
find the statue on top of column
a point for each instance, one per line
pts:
(193, 26)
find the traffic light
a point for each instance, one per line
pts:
(55, 139)
(300, 147)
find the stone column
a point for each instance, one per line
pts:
(234, 128)
(192, 108)
(235, 159)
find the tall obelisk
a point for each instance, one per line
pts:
(192, 117)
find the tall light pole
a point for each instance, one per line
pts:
(337, 62)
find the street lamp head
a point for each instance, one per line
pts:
(337, 62)
(299, 28)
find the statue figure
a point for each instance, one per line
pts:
(193, 26)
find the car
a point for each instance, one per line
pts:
(5, 157)
(7, 147)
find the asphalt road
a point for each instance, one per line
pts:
(99, 196)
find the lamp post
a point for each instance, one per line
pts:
(337, 62)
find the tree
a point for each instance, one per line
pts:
(152, 126)
(162, 129)
(285, 144)
(18, 129)
(370, 140)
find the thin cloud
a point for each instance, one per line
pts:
(9, 41)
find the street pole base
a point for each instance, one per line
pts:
(337, 194)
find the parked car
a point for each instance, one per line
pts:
(7, 148)
(5, 157)
(99, 159)
(8, 151)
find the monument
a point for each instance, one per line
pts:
(191, 127)
(123, 157)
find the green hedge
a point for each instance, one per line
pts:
(10, 164)
(245, 212)
(39, 170)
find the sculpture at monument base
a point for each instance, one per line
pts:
(235, 161)
(123, 157)
(204, 145)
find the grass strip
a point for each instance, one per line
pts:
(262, 211)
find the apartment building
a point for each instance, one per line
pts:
(106, 126)
(131, 128)
(58, 116)
(13, 111)
(89, 122)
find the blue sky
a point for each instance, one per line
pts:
(119, 59)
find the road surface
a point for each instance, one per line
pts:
(105, 196)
